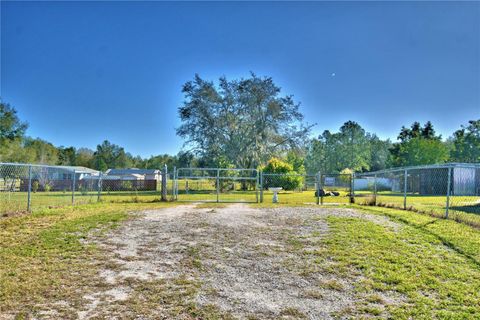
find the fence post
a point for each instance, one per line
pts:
(405, 175)
(321, 187)
(174, 183)
(164, 183)
(73, 188)
(218, 184)
(29, 188)
(352, 188)
(99, 187)
(317, 191)
(256, 186)
(375, 189)
(261, 186)
(448, 191)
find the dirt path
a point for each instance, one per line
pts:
(232, 262)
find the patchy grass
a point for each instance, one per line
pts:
(461, 238)
(465, 209)
(166, 299)
(430, 277)
(425, 268)
(42, 255)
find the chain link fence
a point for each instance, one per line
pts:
(27, 187)
(451, 191)
(24, 187)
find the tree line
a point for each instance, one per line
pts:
(248, 123)
(16, 146)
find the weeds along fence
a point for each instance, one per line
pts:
(27, 187)
(451, 190)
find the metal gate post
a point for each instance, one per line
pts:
(164, 183)
(29, 188)
(352, 188)
(73, 188)
(256, 186)
(375, 190)
(218, 184)
(321, 187)
(405, 175)
(317, 177)
(261, 186)
(448, 191)
(174, 184)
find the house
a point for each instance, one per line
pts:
(81, 173)
(131, 179)
(134, 174)
(58, 178)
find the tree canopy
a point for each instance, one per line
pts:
(11, 127)
(466, 143)
(351, 147)
(245, 123)
(240, 122)
(418, 146)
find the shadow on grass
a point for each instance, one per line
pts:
(423, 228)
(473, 209)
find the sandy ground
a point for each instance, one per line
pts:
(246, 263)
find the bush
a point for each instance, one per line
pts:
(284, 175)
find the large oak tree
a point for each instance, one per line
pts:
(240, 123)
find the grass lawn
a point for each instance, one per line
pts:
(430, 265)
(431, 278)
(462, 208)
(42, 254)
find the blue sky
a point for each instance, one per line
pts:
(80, 73)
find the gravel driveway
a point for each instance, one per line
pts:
(235, 262)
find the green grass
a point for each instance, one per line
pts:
(461, 238)
(464, 209)
(423, 268)
(42, 257)
(431, 264)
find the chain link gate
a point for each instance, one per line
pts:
(216, 185)
(306, 189)
(336, 188)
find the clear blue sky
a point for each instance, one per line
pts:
(80, 73)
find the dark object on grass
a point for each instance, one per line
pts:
(323, 193)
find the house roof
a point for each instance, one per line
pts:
(79, 169)
(121, 172)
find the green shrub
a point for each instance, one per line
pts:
(285, 177)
